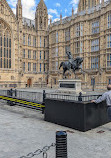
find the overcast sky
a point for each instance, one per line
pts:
(55, 8)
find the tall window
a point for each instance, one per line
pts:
(29, 66)
(44, 67)
(56, 65)
(81, 33)
(44, 42)
(34, 67)
(67, 34)
(23, 66)
(29, 40)
(81, 47)
(29, 54)
(95, 27)
(95, 45)
(57, 51)
(34, 41)
(78, 30)
(40, 67)
(5, 49)
(56, 37)
(108, 60)
(92, 81)
(109, 41)
(23, 53)
(23, 39)
(94, 62)
(44, 54)
(77, 47)
(109, 20)
(34, 54)
(40, 41)
(40, 55)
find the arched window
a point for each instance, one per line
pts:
(5, 46)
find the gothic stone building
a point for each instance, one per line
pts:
(31, 50)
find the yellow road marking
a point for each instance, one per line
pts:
(23, 102)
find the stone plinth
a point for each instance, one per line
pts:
(73, 85)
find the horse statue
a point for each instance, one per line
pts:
(72, 64)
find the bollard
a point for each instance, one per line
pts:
(61, 144)
(80, 97)
(10, 94)
(44, 95)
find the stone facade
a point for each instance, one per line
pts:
(31, 50)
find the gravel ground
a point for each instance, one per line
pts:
(24, 130)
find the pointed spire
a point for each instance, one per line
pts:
(50, 20)
(72, 11)
(61, 18)
(42, 3)
(19, 2)
(86, 5)
(102, 2)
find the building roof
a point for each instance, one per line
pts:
(30, 22)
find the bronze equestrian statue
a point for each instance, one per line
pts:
(72, 64)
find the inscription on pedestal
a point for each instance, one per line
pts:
(65, 85)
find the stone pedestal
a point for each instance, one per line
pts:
(68, 85)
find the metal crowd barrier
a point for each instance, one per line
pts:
(23, 98)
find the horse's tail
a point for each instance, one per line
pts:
(61, 65)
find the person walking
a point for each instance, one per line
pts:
(106, 96)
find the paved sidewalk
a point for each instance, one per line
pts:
(24, 130)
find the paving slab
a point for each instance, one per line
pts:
(24, 130)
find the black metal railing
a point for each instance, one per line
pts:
(40, 96)
(80, 97)
(31, 96)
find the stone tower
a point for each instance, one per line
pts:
(86, 4)
(41, 16)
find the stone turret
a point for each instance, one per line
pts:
(86, 4)
(41, 16)
(72, 12)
